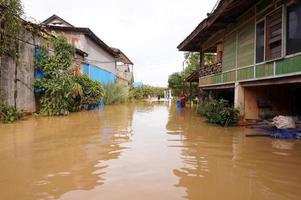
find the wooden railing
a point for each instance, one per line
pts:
(207, 70)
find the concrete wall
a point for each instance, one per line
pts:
(124, 73)
(97, 56)
(17, 75)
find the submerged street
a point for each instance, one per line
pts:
(143, 151)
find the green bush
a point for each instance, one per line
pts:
(9, 114)
(144, 91)
(219, 112)
(92, 92)
(115, 93)
(57, 84)
(63, 92)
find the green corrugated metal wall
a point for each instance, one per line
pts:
(229, 60)
(229, 77)
(217, 78)
(246, 37)
(289, 65)
(264, 70)
(245, 74)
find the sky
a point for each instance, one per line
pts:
(148, 32)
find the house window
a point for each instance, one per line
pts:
(260, 42)
(293, 42)
(274, 35)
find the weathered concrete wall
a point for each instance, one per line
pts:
(7, 80)
(96, 55)
(17, 75)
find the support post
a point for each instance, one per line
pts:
(239, 98)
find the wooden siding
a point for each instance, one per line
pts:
(264, 70)
(229, 61)
(289, 65)
(246, 45)
(239, 46)
(206, 81)
(245, 74)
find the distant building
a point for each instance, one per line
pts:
(101, 61)
(258, 48)
(124, 68)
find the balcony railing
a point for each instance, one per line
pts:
(212, 69)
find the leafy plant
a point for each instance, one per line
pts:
(57, 84)
(219, 112)
(115, 93)
(9, 114)
(10, 26)
(92, 92)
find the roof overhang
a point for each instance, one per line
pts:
(87, 32)
(225, 13)
(121, 57)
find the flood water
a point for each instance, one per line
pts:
(143, 151)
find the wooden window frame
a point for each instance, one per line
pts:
(283, 40)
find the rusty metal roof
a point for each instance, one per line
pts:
(121, 56)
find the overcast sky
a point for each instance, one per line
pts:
(147, 31)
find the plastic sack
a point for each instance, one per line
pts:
(284, 122)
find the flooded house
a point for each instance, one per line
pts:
(101, 62)
(258, 55)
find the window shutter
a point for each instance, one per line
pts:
(274, 35)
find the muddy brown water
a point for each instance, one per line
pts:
(143, 151)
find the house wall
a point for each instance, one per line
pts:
(96, 55)
(124, 74)
(239, 50)
(17, 76)
(99, 57)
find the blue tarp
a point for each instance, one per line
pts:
(99, 74)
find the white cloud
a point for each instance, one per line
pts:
(147, 31)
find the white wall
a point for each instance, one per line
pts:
(96, 55)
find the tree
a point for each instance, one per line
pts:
(11, 25)
(176, 83)
(193, 63)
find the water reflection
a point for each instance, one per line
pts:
(221, 163)
(70, 154)
(143, 151)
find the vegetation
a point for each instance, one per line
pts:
(9, 114)
(219, 112)
(192, 63)
(62, 92)
(176, 81)
(10, 26)
(92, 92)
(145, 91)
(115, 93)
